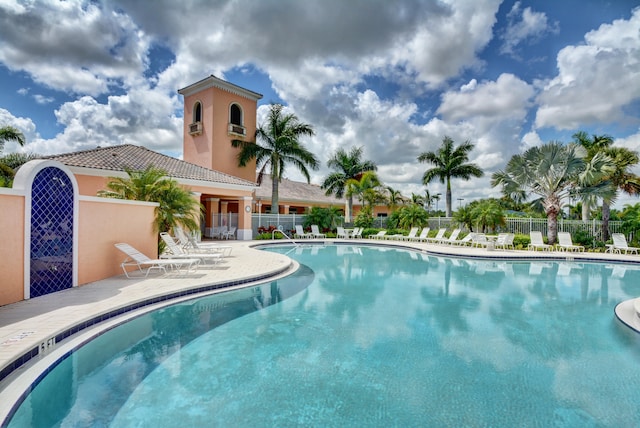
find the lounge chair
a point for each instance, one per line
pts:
(451, 239)
(566, 244)
(230, 233)
(140, 261)
(341, 233)
(379, 235)
(467, 240)
(174, 251)
(190, 244)
(412, 234)
(423, 235)
(357, 232)
(479, 240)
(315, 232)
(505, 241)
(300, 233)
(537, 242)
(620, 244)
(438, 236)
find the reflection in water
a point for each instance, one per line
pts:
(381, 337)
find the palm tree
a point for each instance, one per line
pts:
(450, 162)
(347, 166)
(177, 207)
(8, 133)
(394, 198)
(365, 188)
(280, 138)
(553, 172)
(413, 216)
(488, 213)
(621, 178)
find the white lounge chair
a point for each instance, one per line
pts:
(300, 233)
(174, 251)
(379, 235)
(480, 240)
(141, 261)
(423, 235)
(537, 242)
(341, 233)
(466, 240)
(412, 234)
(357, 232)
(438, 236)
(566, 244)
(190, 244)
(505, 241)
(451, 239)
(315, 232)
(230, 233)
(620, 244)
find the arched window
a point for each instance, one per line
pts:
(235, 115)
(197, 112)
(236, 125)
(195, 128)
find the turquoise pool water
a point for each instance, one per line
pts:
(366, 336)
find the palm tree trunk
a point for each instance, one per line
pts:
(448, 198)
(275, 209)
(350, 207)
(585, 210)
(606, 215)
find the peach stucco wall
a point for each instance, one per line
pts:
(104, 222)
(11, 248)
(212, 148)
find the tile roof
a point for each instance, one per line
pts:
(296, 191)
(117, 158)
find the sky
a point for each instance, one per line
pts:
(392, 77)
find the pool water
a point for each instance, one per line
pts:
(366, 336)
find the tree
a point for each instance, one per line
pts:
(394, 198)
(366, 189)
(280, 138)
(450, 162)
(620, 178)
(413, 216)
(7, 172)
(553, 172)
(347, 166)
(488, 213)
(177, 207)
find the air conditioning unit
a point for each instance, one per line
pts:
(237, 129)
(195, 128)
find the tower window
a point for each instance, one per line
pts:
(235, 120)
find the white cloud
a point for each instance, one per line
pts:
(524, 25)
(590, 87)
(24, 125)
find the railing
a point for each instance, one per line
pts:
(517, 225)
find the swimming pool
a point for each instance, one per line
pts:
(366, 336)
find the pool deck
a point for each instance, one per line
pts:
(28, 328)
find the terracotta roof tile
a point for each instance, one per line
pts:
(117, 158)
(296, 191)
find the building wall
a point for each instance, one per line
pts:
(212, 148)
(101, 226)
(12, 247)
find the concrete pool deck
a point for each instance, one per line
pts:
(28, 329)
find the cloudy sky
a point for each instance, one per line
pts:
(394, 77)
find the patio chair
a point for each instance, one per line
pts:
(230, 233)
(315, 232)
(620, 244)
(341, 233)
(423, 235)
(357, 232)
(140, 261)
(190, 244)
(537, 242)
(174, 251)
(566, 244)
(300, 233)
(379, 235)
(412, 234)
(505, 241)
(467, 240)
(438, 236)
(479, 240)
(451, 239)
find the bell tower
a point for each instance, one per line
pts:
(215, 113)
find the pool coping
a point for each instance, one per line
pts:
(247, 267)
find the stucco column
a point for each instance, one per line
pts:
(285, 209)
(245, 230)
(212, 216)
